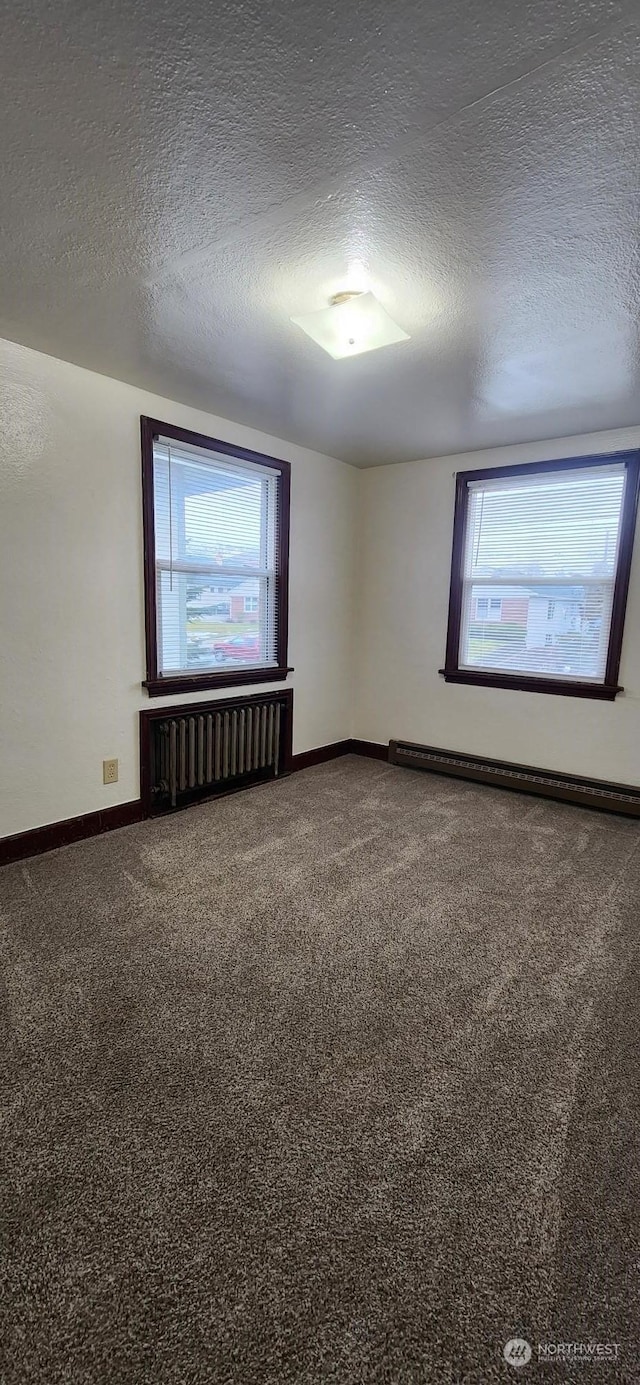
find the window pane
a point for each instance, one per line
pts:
(222, 519)
(561, 631)
(219, 623)
(225, 522)
(211, 513)
(558, 524)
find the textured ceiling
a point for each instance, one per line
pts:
(177, 180)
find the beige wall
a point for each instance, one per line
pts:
(72, 655)
(406, 520)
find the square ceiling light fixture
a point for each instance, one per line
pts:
(353, 323)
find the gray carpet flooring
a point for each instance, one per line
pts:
(334, 1080)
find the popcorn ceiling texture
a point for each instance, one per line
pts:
(333, 1080)
(176, 185)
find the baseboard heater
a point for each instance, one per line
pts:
(201, 749)
(590, 793)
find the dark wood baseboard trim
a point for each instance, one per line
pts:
(568, 788)
(55, 834)
(372, 749)
(331, 752)
(319, 755)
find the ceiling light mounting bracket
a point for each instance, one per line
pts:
(344, 297)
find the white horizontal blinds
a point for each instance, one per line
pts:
(216, 547)
(540, 559)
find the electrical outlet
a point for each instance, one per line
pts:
(109, 771)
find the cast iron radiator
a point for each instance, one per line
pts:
(195, 751)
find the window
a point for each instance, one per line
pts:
(488, 608)
(216, 542)
(543, 551)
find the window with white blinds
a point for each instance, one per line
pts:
(218, 546)
(540, 558)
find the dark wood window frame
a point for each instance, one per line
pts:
(609, 688)
(155, 683)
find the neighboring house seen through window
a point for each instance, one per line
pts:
(488, 608)
(216, 547)
(540, 570)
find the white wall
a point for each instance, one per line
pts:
(406, 522)
(71, 586)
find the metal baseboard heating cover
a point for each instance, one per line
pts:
(589, 793)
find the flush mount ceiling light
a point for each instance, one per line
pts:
(353, 323)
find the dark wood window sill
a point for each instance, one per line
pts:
(201, 682)
(559, 687)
